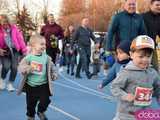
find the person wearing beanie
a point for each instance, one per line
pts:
(124, 46)
(123, 58)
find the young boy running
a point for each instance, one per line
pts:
(137, 82)
(38, 72)
(122, 59)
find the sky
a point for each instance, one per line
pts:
(53, 6)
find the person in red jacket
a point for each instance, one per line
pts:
(53, 33)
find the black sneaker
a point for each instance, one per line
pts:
(72, 73)
(89, 76)
(78, 76)
(67, 71)
(42, 116)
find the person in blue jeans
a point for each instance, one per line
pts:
(122, 59)
(70, 51)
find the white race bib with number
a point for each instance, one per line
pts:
(143, 96)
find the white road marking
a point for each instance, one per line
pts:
(63, 112)
(80, 90)
(87, 88)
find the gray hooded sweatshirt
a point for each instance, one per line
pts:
(126, 82)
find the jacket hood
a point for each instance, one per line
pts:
(131, 66)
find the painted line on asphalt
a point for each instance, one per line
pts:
(63, 112)
(80, 90)
(87, 88)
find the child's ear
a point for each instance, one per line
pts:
(131, 54)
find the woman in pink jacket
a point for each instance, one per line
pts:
(12, 44)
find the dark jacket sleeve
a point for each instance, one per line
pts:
(111, 32)
(142, 29)
(92, 36)
(76, 35)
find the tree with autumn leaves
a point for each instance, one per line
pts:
(71, 11)
(25, 22)
(99, 11)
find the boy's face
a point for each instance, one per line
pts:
(39, 46)
(155, 6)
(141, 59)
(122, 55)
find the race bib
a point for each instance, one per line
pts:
(143, 96)
(36, 67)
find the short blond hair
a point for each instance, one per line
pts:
(35, 39)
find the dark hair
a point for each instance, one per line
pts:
(50, 14)
(154, 1)
(146, 51)
(124, 46)
(67, 32)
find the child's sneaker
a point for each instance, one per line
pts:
(10, 87)
(2, 84)
(30, 118)
(72, 73)
(42, 116)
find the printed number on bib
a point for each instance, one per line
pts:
(143, 96)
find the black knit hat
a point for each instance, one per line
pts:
(125, 46)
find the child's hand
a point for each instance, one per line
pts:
(32, 69)
(129, 97)
(3, 52)
(99, 87)
(54, 76)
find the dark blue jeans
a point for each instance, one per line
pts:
(96, 68)
(10, 62)
(70, 61)
(85, 53)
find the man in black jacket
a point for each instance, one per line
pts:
(83, 36)
(152, 19)
(152, 24)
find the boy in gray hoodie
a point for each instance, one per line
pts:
(137, 83)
